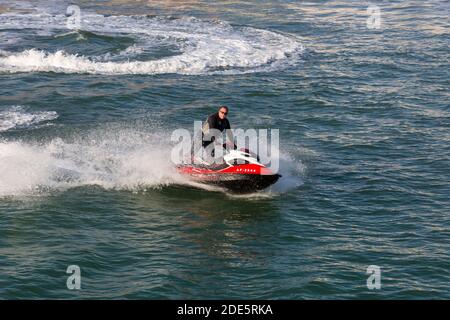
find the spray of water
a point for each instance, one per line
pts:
(123, 159)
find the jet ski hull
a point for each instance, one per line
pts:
(239, 183)
(237, 179)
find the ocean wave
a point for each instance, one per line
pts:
(202, 47)
(17, 116)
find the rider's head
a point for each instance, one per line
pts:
(223, 111)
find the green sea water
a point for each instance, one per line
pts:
(358, 91)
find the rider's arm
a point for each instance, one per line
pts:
(230, 134)
(209, 124)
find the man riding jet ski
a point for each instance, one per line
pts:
(216, 121)
(238, 170)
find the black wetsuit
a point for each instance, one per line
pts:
(214, 122)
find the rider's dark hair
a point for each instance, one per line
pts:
(223, 107)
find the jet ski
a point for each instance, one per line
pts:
(239, 172)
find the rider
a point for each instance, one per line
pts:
(217, 121)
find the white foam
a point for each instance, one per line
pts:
(17, 117)
(205, 46)
(292, 173)
(123, 160)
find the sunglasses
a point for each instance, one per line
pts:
(225, 113)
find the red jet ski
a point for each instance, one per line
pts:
(240, 172)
